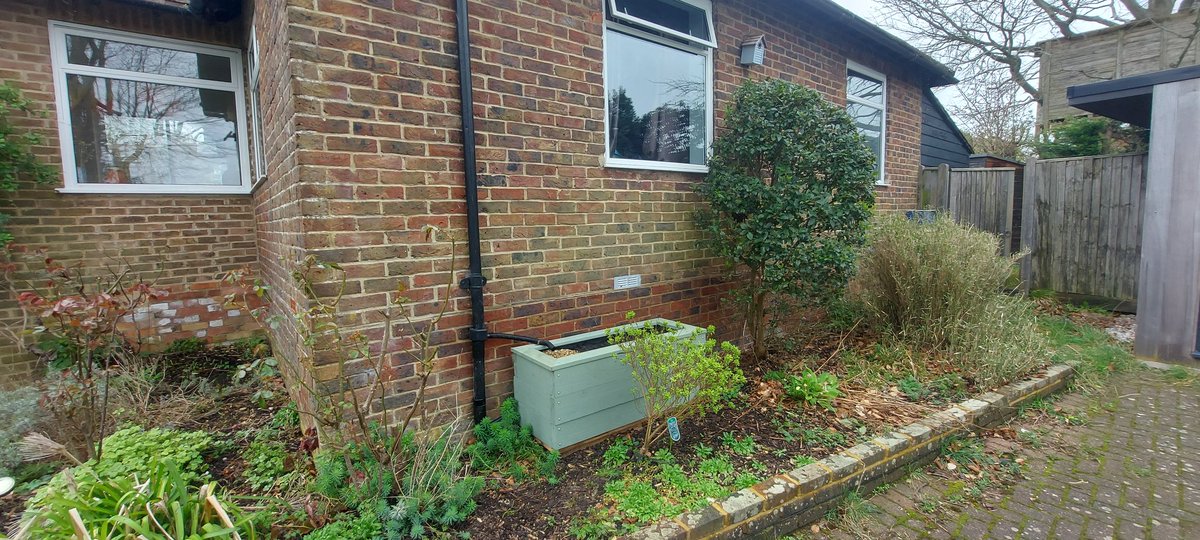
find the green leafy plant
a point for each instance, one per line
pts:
(616, 456)
(266, 463)
(677, 376)
(810, 388)
(502, 445)
(352, 476)
(131, 450)
(939, 288)
(789, 192)
(744, 446)
(435, 493)
(186, 346)
(156, 502)
(364, 527)
(17, 160)
(912, 388)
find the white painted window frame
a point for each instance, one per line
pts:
(58, 59)
(692, 48)
(705, 5)
(851, 65)
(259, 148)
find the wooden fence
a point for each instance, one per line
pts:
(1082, 223)
(982, 198)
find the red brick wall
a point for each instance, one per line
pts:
(184, 240)
(379, 157)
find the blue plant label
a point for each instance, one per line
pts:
(673, 428)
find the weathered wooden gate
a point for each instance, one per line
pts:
(982, 198)
(1083, 225)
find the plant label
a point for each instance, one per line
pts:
(673, 428)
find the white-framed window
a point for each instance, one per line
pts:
(866, 101)
(141, 114)
(257, 142)
(658, 84)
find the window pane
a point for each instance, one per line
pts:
(869, 122)
(657, 104)
(97, 52)
(864, 88)
(678, 16)
(128, 132)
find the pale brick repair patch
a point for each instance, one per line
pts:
(788, 501)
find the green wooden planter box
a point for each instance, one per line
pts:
(570, 400)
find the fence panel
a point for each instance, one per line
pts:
(982, 198)
(1082, 225)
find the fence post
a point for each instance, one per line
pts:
(1029, 225)
(943, 180)
(1008, 207)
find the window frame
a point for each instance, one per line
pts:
(852, 66)
(704, 5)
(58, 32)
(650, 165)
(257, 141)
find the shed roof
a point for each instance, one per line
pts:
(1128, 99)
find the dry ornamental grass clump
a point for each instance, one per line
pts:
(940, 288)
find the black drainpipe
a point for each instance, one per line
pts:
(475, 281)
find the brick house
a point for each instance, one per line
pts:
(333, 128)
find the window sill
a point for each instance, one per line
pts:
(663, 166)
(110, 189)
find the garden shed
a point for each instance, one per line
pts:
(1167, 102)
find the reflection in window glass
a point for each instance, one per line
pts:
(864, 88)
(867, 106)
(128, 132)
(106, 53)
(657, 101)
(869, 122)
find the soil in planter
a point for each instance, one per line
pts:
(592, 344)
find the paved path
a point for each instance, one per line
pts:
(1131, 470)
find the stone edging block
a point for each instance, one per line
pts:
(788, 501)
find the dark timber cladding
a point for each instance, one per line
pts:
(941, 140)
(1168, 291)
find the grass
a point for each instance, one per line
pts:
(1094, 354)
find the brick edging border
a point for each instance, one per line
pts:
(788, 501)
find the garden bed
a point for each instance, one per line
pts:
(760, 434)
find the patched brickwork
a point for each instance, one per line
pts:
(379, 157)
(182, 243)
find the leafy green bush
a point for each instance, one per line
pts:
(17, 160)
(790, 190)
(809, 388)
(679, 376)
(19, 415)
(504, 446)
(364, 527)
(938, 287)
(156, 503)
